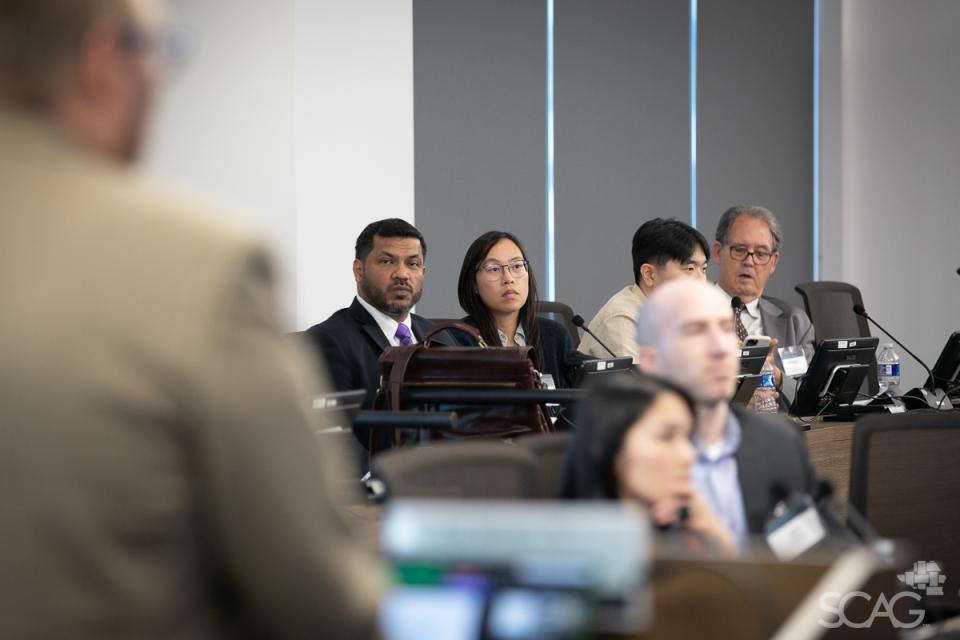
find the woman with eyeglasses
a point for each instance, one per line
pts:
(498, 292)
(632, 444)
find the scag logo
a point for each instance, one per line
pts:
(835, 604)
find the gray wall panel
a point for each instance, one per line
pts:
(755, 122)
(479, 122)
(622, 136)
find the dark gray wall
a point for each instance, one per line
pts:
(622, 108)
(480, 137)
(622, 105)
(755, 122)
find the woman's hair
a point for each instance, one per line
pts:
(614, 403)
(477, 311)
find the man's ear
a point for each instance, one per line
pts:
(357, 270)
(716, 252)
(774, 261)
(649, 360)
(648, 275)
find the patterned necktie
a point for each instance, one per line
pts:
(741, 328)
(403, 335)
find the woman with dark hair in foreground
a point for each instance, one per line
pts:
(498, 292)
(632, 444)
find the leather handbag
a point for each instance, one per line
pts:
(429, 365)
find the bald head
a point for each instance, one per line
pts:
(685, 331)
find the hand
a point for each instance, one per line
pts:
(704, 522)
(664, 513)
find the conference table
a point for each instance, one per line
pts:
(830, 445)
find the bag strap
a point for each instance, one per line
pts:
(397, 373)
(455, 324)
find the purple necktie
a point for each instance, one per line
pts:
(403, 334)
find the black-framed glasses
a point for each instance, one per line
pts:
(492, 271)
(760, 257)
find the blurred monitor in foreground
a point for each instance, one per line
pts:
(517, 570)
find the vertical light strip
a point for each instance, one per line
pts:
(693, 113)
(817, 19)
(551, 212)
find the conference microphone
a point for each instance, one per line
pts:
(736, 303)
(958, 271)
(578, 322)
(934, 398)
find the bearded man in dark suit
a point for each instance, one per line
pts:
(389, 268)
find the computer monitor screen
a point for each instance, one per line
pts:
(514, 570)
(946, 372)
(471, 602)
(835, 375)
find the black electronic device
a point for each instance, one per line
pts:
(753, 354)
(832, 383)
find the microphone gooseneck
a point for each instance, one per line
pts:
(860, 311)
(579, 322)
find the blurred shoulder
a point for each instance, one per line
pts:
(773, 428)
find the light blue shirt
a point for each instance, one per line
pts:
(715, 477)
(519, 337)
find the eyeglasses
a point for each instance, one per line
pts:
(492, 271)
(739, 253)
(174, 45)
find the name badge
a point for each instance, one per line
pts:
(796, 531)
(794, 361)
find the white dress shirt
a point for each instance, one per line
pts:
(387, 324)
(749, 315)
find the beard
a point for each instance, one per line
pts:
(378, 299)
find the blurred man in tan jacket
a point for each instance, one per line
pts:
(158, 474)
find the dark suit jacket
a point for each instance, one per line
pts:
(350, 341)
(556, 345)
(772, 451)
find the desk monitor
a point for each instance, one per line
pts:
(597, 366)
(833, 380)
(480, 569)
(946, 372)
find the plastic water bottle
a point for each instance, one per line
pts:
(766, 397)
(888, 370)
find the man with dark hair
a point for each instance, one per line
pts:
(663, 249)
(161, 477)
(389, 269)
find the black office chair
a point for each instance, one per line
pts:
(563, 314)
(549, 450)
(464, 469)
(830, 307)
(905, 479)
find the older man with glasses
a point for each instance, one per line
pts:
(747, 248)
